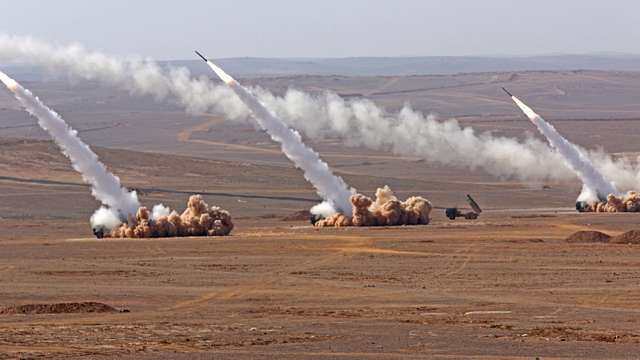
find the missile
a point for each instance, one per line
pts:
(533, 117)
(221, 74)
(203, 58)
(591, 177)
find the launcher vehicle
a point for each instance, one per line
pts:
(453, 213)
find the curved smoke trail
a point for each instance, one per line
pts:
(105, 186)
(595, 186)
(358, 122)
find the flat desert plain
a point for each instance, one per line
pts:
(505, 286)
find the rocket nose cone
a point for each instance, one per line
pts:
(201, 56)
(507, 91)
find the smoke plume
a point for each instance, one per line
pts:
(105, 187)
(629, 202)
(120, 205)
(331, 188)
(386, 210)
(198, 219)
(595, 186)
(320, 116)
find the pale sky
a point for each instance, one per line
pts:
(330, 28)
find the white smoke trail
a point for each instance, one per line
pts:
(411, 133)
(104, 185)
(331, 188)
(139, 76)
(358, 122)
(595, 186)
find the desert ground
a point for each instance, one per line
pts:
(505, 286)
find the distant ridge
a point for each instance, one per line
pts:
(423, 65)
(390, 66)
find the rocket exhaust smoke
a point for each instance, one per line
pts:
(121, 214)
(595, 186)
(330, 187)
(198, 219)
(358, 122)
(385, 210)
(629, 202)
(105, 187)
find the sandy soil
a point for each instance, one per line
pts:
(506, 286)
(500, 287)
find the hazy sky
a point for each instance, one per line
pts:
(330, 28)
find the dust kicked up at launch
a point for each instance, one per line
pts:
(598, 193)
(120, 214)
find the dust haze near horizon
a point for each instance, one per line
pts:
(331, 28)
